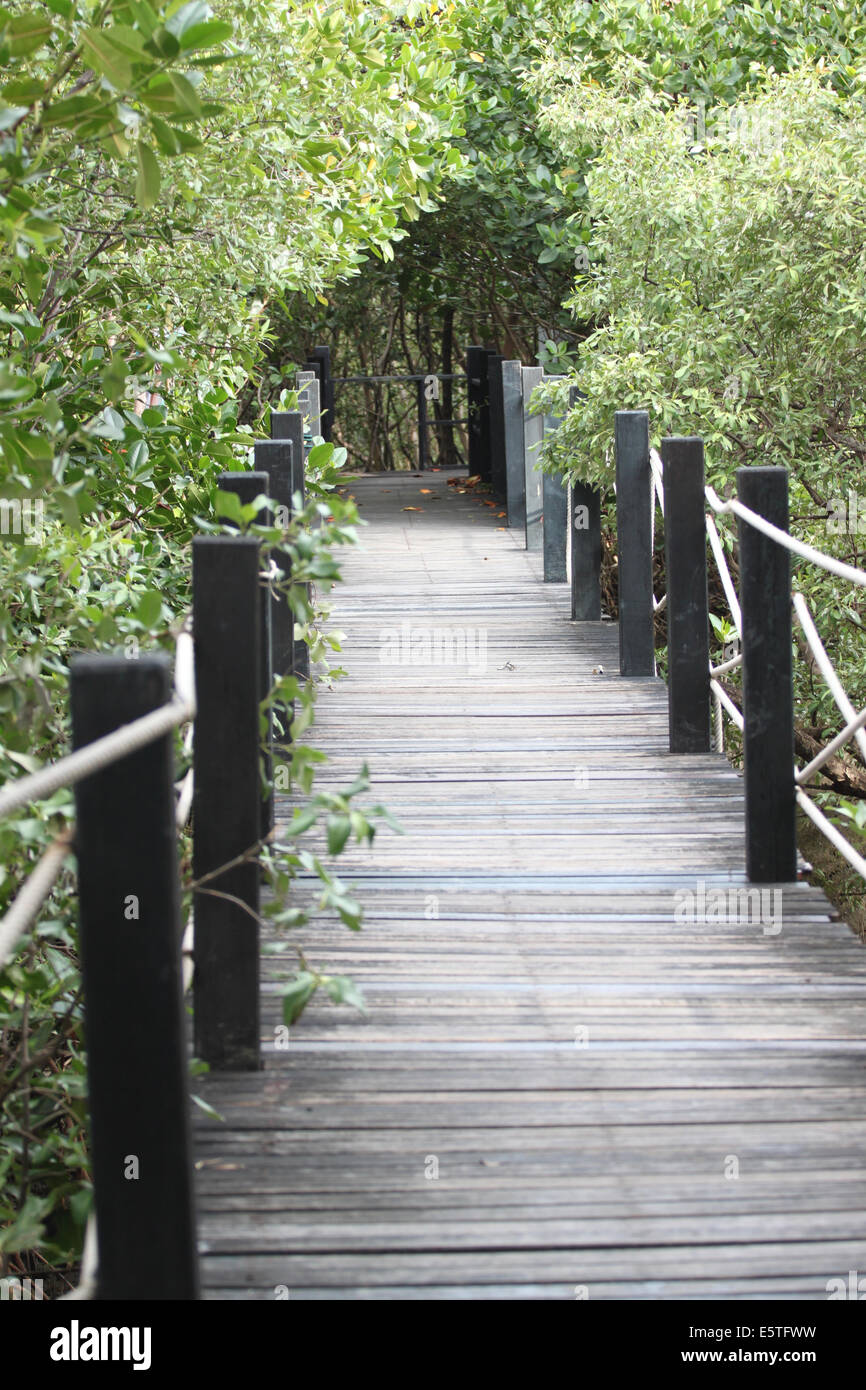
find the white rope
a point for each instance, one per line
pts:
(89, 1266)
(31, 897)
(184, 800)
(724, 573)
(727, 665)
(659, 603)
(830, 832)
(718, 723)
(184, 667)
(95, 756)
(728, 704)
(826, 667)
(832, 747)
(658, 484)
(187, 952)
(807, 552)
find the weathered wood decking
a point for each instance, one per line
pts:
(585, 1072)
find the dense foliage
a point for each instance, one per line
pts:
(663, 201)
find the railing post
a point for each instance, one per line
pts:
(687, 608)
(227, 600)
(634, 501)
(274, 457)
(533, 434)
(768, 698)
(247, 487)
(495, 383)
(310, 403)
(129, 912)
(478, 412)
(515, 466)
(584, 526)
(321, 355)
(422, 426)
(554, 509)
(289, 425)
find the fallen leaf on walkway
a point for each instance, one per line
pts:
(412, 509)
(428, 490)
(501, 528)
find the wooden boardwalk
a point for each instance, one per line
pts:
(572, 1081)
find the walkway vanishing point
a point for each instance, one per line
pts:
(571, 1081)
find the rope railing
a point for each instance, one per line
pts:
(36, 786)
(722, 701)
(785, 539)
(68, 771)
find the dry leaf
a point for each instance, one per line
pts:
(412, 509)
(428, 490)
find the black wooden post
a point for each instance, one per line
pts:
(247, 487)
(768, 699)
(227, 600)
(533, 435)
(495, 384)
(554, 507)
(321, 355)
(486, 456)
(129, 912)
(289, 425)
(634, 543)
(478, 428)
(515, 477)
(585, 527)
(422, 425)
(585, 553)
(274, 457)
(687, 609)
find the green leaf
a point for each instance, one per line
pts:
(107, 58)
(297, 995)
(339, 828)
(342, 990)
(147, 182)
(149, 608)
(320, 454)
(301, 821)
(207, 35)
(25, 33)
(228, 504)
(185, 94)
(28, 1228)
(184, 17)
